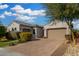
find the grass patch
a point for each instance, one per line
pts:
(7, 43)
(2, 44)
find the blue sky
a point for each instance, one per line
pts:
(31, 13)
(34, 13)
(76, 24)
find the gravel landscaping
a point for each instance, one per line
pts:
(72, 51)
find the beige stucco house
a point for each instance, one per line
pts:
(19, 26)
(56, 30)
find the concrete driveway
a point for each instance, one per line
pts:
(42, 47)
(7, 52)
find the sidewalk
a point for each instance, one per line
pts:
(7, 52)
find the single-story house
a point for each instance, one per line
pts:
(19, 26)
(56, 30)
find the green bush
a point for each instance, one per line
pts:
(25, 36)
(12, 43)
(2, 31)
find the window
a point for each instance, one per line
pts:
(15, 28)
(26, 30)
(12, 29)
(33, 31)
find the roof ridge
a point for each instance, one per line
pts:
(24, 23)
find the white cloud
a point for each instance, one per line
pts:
(38, 13)
(2, 16)
(14, 14)
(26, 11)
(31, 21)
(7, 13)
(17, 8)
(26, 18)
(21, 13)
(4, 6)
(32, 12)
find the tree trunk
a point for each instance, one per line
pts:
(73, 40)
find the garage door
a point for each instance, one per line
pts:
(56, 34)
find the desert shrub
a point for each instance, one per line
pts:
(11, 35)
(12, 43)
(25, 36)
(68, 37)
(3, 39)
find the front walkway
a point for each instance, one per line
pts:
(43, 47)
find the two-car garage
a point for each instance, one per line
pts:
(56, 31)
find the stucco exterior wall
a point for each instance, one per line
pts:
(13, 25)
(25, 27)
(56, 26)
(39, 32)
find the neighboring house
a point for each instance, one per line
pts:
(56, 30)
(18, 26)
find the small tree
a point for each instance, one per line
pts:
(2, 30)
(64, 12)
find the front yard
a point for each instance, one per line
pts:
(13, 38)
(8, 43)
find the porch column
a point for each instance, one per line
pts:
(36, 33)
(45, 33)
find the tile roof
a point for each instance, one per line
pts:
(57, 25)
(23, 23)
